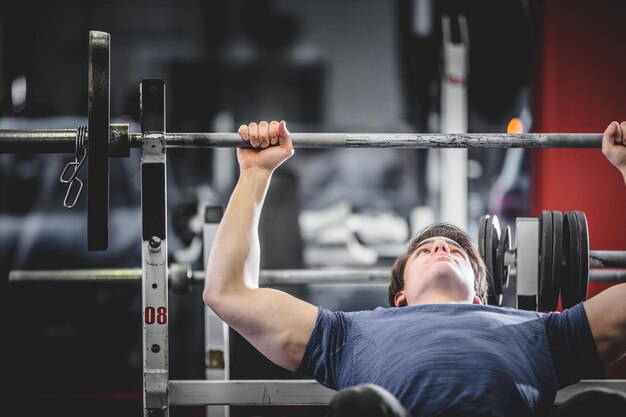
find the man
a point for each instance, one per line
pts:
(440, 350)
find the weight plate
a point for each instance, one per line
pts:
(503, 270)
(571, 250)
(583, 234)
(557, 258)
(545, 296)
(482, 226)
(492, 241)
(98, 142)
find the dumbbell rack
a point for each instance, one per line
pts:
(103, 140)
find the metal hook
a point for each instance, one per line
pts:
(79, 158)
(76, 166)
(67, 194)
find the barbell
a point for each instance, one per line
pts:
(101, 140)
(564, 258)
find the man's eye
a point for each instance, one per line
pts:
(424, 250)
(459, 251)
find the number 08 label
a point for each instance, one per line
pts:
(153, 315)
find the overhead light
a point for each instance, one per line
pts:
(516, 126)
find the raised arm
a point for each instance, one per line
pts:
(607, 311)
(274, 322)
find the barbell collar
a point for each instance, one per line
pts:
(119, 141)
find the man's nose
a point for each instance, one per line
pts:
(441, 245)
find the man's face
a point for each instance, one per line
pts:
(438, 271)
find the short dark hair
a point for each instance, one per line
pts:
(449, 231)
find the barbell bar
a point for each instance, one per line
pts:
(63, 140)
(181, 277)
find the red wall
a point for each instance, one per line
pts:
(580, 87)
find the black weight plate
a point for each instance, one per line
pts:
(571, 249)
(545, 261)
(98, 142)
(492, 241)
(583, 234)
(557, 258)
(482, 226)
(495, 241)
(503, 270)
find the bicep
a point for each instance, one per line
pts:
(606, 313)
(274, 322)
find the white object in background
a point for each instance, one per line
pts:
(420, 217)
(453, 168)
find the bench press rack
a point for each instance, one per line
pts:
(101, 140)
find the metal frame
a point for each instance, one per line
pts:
(154, 250)
(527, 262)
(253, 392)
(305, 392)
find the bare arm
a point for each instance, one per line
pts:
(606, 311)
(276, 323)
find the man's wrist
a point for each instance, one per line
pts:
(258, 173)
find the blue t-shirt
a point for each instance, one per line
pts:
(451, 359)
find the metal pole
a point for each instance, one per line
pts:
(397, 140)
(63, 140)
(38, 141)
(607, 259)
(267, 277)
(306, 392)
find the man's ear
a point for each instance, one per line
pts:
(477, 300)
(399, 299)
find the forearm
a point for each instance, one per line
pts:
(233, 263)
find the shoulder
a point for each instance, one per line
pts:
(569, 318)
